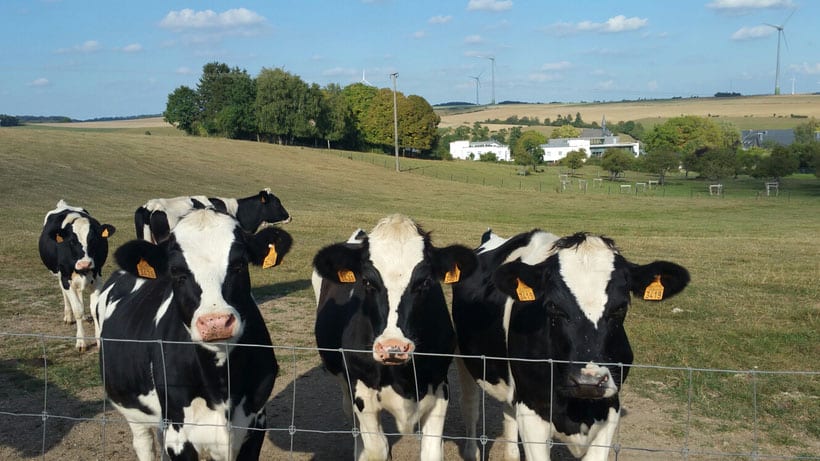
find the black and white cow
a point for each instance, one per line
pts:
(536, 299)
(380, 293)
(74, 246)
(157, 217)
(185, 349)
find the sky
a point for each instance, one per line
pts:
(90, 59)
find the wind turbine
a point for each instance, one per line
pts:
(477, 79)
(492, 67)
(780, 33)
(364, 80)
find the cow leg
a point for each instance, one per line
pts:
(600, 444)
(75, 298)
(535, 432)
(432, 425)
(142, 440)
(68, 316)
(92, 305)
(510, 435)
(469, 410)
(367, 410)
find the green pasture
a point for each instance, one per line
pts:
(753, 304)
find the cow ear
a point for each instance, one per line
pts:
(107, 230)
(142, 259)
(339, 263)
(519, 281)
(268, 247)
(658, 280)
(263, 196)
(454, 263)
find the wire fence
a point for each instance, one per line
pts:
(52, 406)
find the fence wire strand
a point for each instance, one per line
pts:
(618, 445)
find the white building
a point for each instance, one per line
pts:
(594, 146)
(467, 150)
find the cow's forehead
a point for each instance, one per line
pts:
(586, 270)
(205, 237)
(396, 247)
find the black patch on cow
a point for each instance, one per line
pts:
(360, 403)
(197, 205)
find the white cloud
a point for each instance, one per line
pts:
(472, 39)
(339, 72)
(652, 85)
(132, 48)
(188, 19)
(553, 66)
(751, 33)
(419, 34)
(89, 46)
(806, 68)
(605, 85)
(440, 19)
(489, 5)
(739, 5)
(39, 83)
(614, 24)
(543, 77)
(184, 71)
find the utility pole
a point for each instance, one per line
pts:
(393, 77)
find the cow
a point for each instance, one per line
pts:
(154, 220)
(379, 298)
(74, 246)
(552, 310)
(184, 348)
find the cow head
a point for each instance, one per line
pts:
(580, 295)
(261, 208)
(73, 241)
(205, 261)
(395, 271)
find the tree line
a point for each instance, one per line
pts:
(278, 106)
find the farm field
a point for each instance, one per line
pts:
(726, 369)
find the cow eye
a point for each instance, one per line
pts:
(179, 274)
(554, 312)
(422, 284)
(368, 285)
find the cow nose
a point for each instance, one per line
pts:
(590, 383)
(393, 351)
(84, 265)
(216, 327)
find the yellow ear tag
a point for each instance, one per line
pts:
(654, 291)
(453, 276)
(145, 270)
(104, 233)
(346, 276)
(59, 239)
(270, 259)
(524, 292)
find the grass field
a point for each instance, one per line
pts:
(753, 304)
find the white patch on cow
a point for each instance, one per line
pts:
(499, 391)
(143, 424)
(396, 248)
(536, 251)
(594, 444)
(82, 229)
(206, 238)
(163, 309)
(586, 270)
(62, 206)
(492, 243)
(599, 372)
(206, 429)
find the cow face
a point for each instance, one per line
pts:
(272, 209)
(73, 242)
(205, 261)
(395, 272)
(578, 299)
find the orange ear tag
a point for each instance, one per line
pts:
(346, 276)
(104, 234)
(654, 291)
(59, 239)
(453, 276)
(270, 259)
(145, 270)
(524, 292)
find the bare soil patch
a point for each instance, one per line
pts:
(148, 122)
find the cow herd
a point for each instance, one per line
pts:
(536, 322)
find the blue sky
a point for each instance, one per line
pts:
(87, 59)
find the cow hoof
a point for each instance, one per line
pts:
(81, 345)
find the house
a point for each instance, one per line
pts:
(592, 141)
(467, 150)
(757, 138)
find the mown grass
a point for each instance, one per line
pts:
(753, 304)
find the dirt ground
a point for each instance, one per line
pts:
(306, 420)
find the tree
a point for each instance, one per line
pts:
(479, 133)
(376, 124)
(565, 131)
(777, 165)
(418, 123)
(691, 137)
(575, 159)
(212, 91)
(616, 161)
(337, 121)
(805, 133)
(182, 109)
(359, 97)
(237, 118)
(488, 157)
(527, 150)
(660, 162)
(286, 107)
(718, 163)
